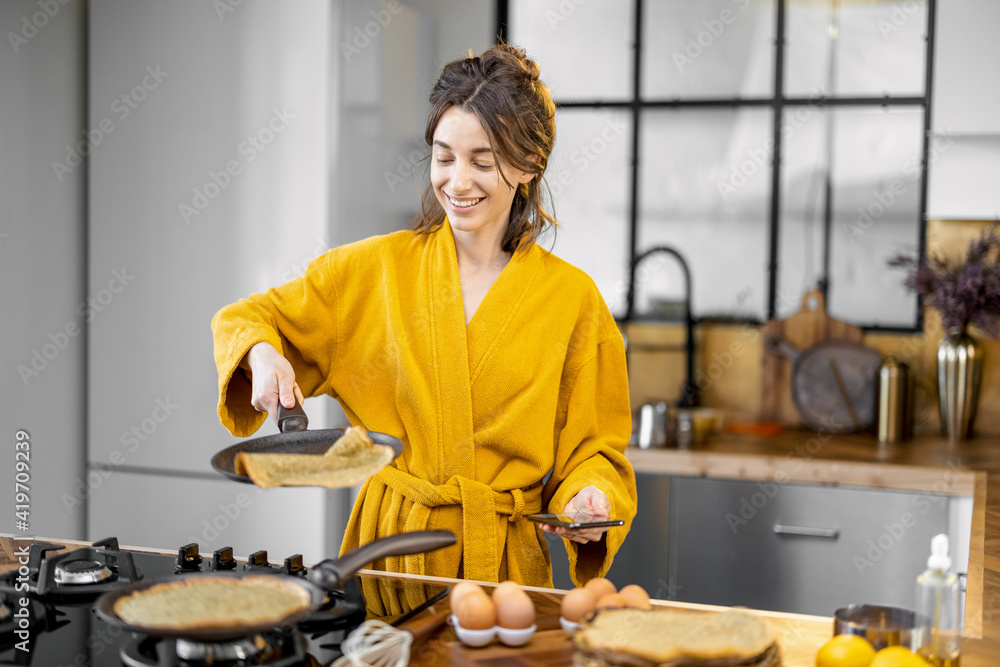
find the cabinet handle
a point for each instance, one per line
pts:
(831, 533)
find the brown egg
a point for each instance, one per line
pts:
(503, 590)
(459, 591)
(515, 611)
(635, 596)
(611, 601)
(476, 612)
(600, 587)
(577, 603)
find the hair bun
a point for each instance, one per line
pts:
(513, 57)
(532, 69)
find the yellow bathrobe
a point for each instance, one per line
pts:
(536, 382)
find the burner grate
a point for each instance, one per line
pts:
(272, 649)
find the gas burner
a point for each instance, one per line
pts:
(78, 575)
(274, 649)
(81, 572)
(212, 652)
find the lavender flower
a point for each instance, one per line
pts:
(964, 292)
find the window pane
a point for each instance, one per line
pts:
(874, 163)
(708, 48)
(704, 190)
(588, 177)
(584, 50)
(855, 48)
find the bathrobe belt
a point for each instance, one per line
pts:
(480, 505)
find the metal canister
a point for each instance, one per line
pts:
(895, 418)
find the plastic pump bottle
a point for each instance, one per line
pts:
(939, 617)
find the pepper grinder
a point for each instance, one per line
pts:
(895, 418)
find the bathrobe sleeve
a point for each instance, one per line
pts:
(300, 319)
(594, 424)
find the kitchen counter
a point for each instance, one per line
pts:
(435, 642)
(925, 464)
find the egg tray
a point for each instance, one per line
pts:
(479, 638)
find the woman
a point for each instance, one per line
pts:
(494, 361)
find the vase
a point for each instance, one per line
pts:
(960, 371)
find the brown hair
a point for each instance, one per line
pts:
(516, 110)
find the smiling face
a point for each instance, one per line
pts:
(465, 175)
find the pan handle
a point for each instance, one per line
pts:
(779, 347)
(292, 419)
(329, 574)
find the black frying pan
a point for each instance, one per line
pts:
(325, 575)
(293, 439)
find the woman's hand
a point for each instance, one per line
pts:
(592, 503)
(273, 379)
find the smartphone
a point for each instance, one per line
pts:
(573, 521)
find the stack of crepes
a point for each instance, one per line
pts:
(351, 460)
(674, 638)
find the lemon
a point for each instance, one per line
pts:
(897, 656)
(845, 651)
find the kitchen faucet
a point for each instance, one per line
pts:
(689, 391)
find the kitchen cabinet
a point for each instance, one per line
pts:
(798, 548)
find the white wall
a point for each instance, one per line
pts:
(965, 171)
(42, 258)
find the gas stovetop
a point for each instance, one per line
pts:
(58, 628)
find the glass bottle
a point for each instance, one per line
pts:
(937, 637)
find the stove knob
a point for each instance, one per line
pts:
(293, 565)
(188, 558)
(259, 559)
(222, 559)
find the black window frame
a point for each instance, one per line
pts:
(778, 103)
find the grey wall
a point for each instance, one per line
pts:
(122, 418)
(42, 258)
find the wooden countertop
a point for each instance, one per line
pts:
(435, 642)
(925, 464)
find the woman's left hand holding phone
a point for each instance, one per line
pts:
(589, 501)
(273, 379)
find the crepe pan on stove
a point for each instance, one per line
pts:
(294, 438)
(325, 576)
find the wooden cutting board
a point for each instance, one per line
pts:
(805, 328)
